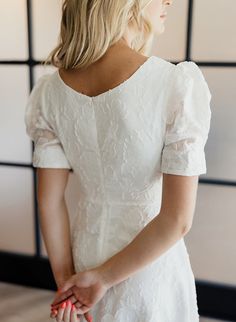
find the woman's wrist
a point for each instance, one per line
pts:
(104, 271)
(61, 279)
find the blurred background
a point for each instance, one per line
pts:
(203, 31)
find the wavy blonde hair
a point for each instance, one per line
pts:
(89, 27)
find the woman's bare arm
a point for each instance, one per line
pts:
(54, 221)
(171, 224)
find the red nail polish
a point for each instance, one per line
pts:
(63, 305)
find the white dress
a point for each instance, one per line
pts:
(118, 144)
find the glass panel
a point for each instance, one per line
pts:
(220, 148)
(16, 209)
(46, 26)
(171, 44)
(214, 26)
(15, 146)
(211, 240)
(13, 36)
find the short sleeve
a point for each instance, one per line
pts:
(188, 122)
(48, 151)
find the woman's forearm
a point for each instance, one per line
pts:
(155, 239)
(54, 222)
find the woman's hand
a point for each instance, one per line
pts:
(86, 287)
(67, 312)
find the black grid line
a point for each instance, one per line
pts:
(37, 237)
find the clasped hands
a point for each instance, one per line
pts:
(78, 295)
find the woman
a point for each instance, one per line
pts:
(133, 129)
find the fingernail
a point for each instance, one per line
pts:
(63, 305)
(54, 312)
(68, 303)
(73, 307)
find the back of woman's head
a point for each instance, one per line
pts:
(90, 27)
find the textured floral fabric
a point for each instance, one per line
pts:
(119, 143)
(188, 122)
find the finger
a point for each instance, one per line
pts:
(62, 296)
(60, 312)
(78, 306)
(66, 316)
(83, 309)
(53, 314)
(74, 317)
(88, 317)
(72, 298)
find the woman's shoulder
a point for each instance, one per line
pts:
(187, 72)
(41, 86)
(186, 69)
(40, 96)
(44, 89)
(185, 76)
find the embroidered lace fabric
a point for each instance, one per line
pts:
(119, 144)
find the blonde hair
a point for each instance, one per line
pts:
(89, 27)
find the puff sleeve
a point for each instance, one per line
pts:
(48, 151)
(188, 122)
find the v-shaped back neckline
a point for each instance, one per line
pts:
(109, 91)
